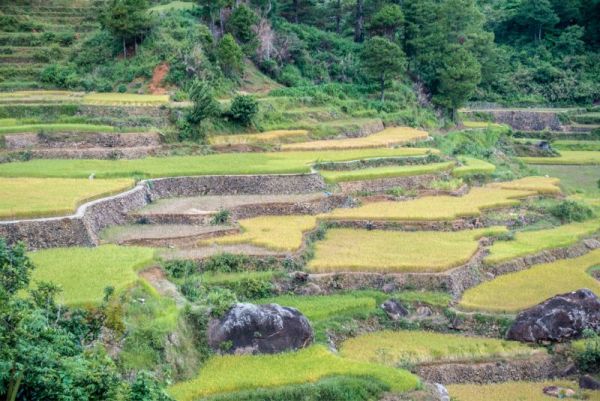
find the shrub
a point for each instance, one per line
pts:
(588, 356)
(243, 109)
(205, 107)
(220, 300)
(180, 268)
(568, 211)
(222, 217)
(230, 57)
(225, 263)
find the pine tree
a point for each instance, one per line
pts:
(383, 60)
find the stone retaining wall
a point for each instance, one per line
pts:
(526, 120)
(383, 184)
(81, 140)
(538, 367)
(83, 227)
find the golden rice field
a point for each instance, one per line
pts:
(279, 233)
(520, 290)
(471, 166)
(434, 207)
(386, 138)
(124, 99)
(42, 197)
(346, 250)
(532, 242)
(84, 273)
(384, 172)
(541, 185)
(481, 124)
(225, 374)
(512, 391)
(576, 157)
(393, 348)
(269, 137)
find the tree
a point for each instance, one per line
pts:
(243, 109)
(240, 23)
(458, 79)
(536, 15)
(387, 21)
(359, 25)
(205, 106)
(382, 60)
(127, 20)
(230, 57)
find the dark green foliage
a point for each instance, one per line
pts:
(248, 288)
(387, 21)
(230, 57)
(178, 269)
(221, 217)
(15, 268)
(241, 22)
(330, 389)
(127, 20)
(145, 388)
(219, 301)
(568, 211)
(205, 107)
(382, 60)
(588, 359)
(243, 109)
(225, 263)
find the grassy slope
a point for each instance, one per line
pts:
(394, 347)
(84, 273)
(217, 164)
(222, 374)
(395, 251)
(517, 291)
(567, 157)
(38, 197)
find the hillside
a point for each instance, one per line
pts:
(299, 200)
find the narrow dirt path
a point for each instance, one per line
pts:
(157, 279)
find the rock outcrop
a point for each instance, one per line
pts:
(560, 318)
(394, 309)
(251, 329)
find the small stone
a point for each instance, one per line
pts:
(591, 243)
(309, 289)
(389, 287)
(559, 392)
(394, 309)
(589, 383)
(441, 392)
(424, 311)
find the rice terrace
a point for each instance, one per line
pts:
(299, 200)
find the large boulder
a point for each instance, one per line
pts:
(251, 329)
(560, 318)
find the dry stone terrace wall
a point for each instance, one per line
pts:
(82, 229)
(526, 120)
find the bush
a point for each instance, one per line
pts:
(230, 57)
(180, 268)
(225, 263)
(220, 300)
(588, 358)
(222, 217)
(568, 211)
(243, 109)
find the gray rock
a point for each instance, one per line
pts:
(249, 328)
(560, 318)
(589, 383)
(441, 392)
(424, 311)
(394, 309)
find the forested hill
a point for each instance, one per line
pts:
(453, 51)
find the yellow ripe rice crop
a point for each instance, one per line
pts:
(84, 273)
(386, 138)
(395, 347)
(269, 137)
(531, 242)
(279, 233)
(541, 185)
(512, 391)
(225, 374)
(345, 249)
(481, 124)
(41, 197)
(576, 157)
(384, 172)
(124, 99)
(433, 207)
(520, 290)
(472, 166)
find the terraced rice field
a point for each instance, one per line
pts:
(46, 128)
(124, 99)
(269, 137)
(532, 242)
(471, 166)
(222, 374)
(513, 292)
(513, 391)
(345, 250)
(432, 208)
(217, 164)
(567, 157)
(384, 172)
(278, 233)
(84, 273)
(393, 348)
(541, 185)
(386, 138)
(38, 197)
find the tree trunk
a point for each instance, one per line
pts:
(296, 11)
(222, 22)
(124, 48)
(382, 82)
(359, 29)
(13, 385)
(338, 17)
